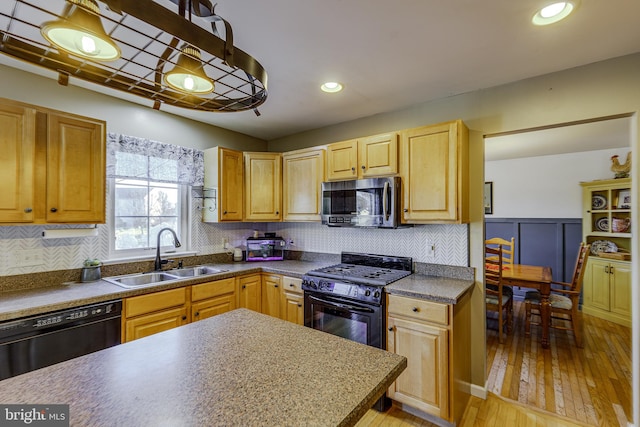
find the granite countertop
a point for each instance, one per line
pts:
(441, 289)
(425, 284)
(237, 368)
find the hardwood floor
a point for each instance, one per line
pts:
(563, 386)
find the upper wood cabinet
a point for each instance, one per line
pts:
(366, 157)
(17, 157)
(54, 165)
(262, 186)
(223, 173)
(302, 176)
(76, 170)
(434, 168)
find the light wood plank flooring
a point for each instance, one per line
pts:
(563, 386)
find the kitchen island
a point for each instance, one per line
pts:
(238, 368)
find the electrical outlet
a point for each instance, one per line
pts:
(430, 249)
(225, 242)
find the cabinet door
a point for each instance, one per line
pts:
(620, 286)
(17, 157)
(249, 292)
(263, 184)
(342, 160)
(378, 155)
(212, 307)
(433, 169)
(231, 186)
(292, 301)
(596, 284)
(271, 294)
(302, 176)
(149, 324)
(424, 384)
(76, 155)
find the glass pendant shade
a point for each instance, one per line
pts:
(82, 33)
(188, 75)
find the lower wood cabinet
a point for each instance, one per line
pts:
(250, 292)
(149, 314)
(607, 290)
(292, 300)
(434, 337)
(213, 298)
(271, 286)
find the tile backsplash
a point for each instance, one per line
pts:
(23, 250)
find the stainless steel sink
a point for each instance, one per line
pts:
(140, 279)
(201, 270)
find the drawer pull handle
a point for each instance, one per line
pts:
(28, 210)
(390, 328)
(54, 210)
(415, 309)
(291, 285)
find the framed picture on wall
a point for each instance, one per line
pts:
(488, 198)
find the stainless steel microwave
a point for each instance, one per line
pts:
(373, 202)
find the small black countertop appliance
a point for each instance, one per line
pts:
(265, 249)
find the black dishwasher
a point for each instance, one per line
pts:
(35, 342)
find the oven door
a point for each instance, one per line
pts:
(345, 318)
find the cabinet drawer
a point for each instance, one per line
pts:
(427, 311)
(213, 289)
(156, 301)
(292, 284)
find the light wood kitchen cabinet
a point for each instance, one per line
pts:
(213, 298)
(149, 314)
(607, 282)
(17, 157)
(375, 155)
(76, 168)
(223, 185)
(434, 337)
(250, 292)
(434, 168)
(262, 186)
(55, 164)
(271, 287)
(292, 300)
(607, 290)
(302, 176)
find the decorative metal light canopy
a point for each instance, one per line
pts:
(139, 47)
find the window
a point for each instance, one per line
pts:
(149, 184)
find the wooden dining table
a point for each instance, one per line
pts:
(534, 277)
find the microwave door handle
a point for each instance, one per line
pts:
(385, 201)
(342, 306)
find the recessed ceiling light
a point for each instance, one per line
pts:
(331, 87)
(554, 12)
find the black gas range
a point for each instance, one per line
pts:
(347, 299)
(360, 277)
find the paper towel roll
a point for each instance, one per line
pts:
(66, 233)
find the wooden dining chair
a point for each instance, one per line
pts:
(495, 297)
(564, 301)
(508, 248)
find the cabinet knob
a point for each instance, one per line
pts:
(184, 317)
(275, 286)
(244, 286)
(353, 169)
(406, 210)
(54, 209)
(390, 328)
(299, 305)
(197, 313)
(225, 212)
(28, 210)
(415, 309)
(277, 212)
(363, 168)
(291, 285)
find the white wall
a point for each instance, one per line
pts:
(546, 186)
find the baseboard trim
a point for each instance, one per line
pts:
(478, 391)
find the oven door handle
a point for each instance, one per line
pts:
(342, 306)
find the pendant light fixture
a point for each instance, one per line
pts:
(81, 33)
(188, 75)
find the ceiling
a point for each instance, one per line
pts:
(393, 54)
